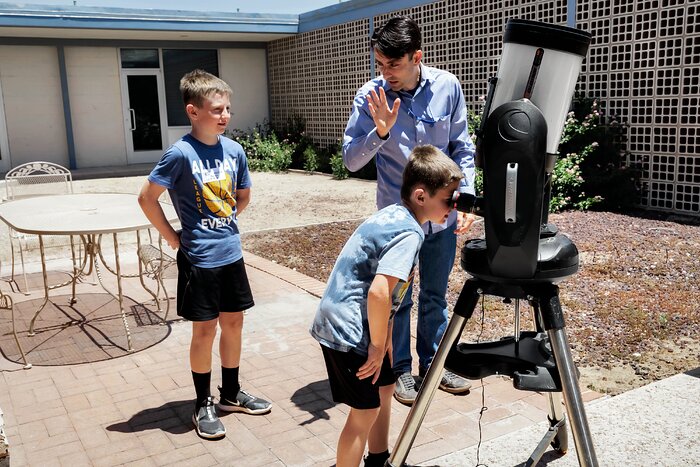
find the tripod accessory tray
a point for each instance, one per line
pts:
(528, 361)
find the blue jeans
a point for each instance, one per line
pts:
(436, 258)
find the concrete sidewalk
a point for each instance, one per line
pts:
(655, 425)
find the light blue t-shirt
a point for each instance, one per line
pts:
(202, 181)
(386, 243)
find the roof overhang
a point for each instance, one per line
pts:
(73, 22)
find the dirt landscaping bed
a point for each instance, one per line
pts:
(632, 310)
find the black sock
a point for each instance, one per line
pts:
(376, 459)
(229, 382)
(201, 387)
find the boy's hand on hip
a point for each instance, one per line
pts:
(174, 241)
(373, 365)
(383, 116)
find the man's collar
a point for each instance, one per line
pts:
(425, 76)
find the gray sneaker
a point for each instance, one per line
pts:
(405, 390)
(451, 382)
(206, 421)
(245, 403)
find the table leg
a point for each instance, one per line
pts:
(119, 292)
(75, 271)
(46, 285)
(27, 365)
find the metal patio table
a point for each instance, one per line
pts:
(88, 216)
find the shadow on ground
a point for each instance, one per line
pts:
(174, 417)
(314, 398)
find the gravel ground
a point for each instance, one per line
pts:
(632, 310)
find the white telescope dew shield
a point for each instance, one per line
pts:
(549, 56)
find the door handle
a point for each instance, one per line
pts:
(132, 117)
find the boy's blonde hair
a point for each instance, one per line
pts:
(197, 85)
(430, 167)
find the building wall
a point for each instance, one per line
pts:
(33, 104)
(315, 75)
(96, 109)
(643, 65)
(245, 70)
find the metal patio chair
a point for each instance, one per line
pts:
(28, 180)
(153, 263)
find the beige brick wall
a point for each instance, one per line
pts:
(643, 64)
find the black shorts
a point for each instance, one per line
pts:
(202, 293)
(346, 387)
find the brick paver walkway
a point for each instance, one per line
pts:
(135, 408)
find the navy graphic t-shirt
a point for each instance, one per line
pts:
(202, 181)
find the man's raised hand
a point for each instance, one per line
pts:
(383, 116)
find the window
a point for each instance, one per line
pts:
(140, 58)
(177, 62)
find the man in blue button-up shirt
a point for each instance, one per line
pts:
(408, 105)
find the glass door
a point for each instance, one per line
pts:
(144, 115)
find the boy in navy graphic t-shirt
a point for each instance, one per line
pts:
(206, 175)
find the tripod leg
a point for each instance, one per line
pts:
(463, 310)
(556, 417)
(553, 318)
(557, 420)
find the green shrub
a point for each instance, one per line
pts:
(268, 154)
(591, 170)
(473, 123)
(338, 169)
(310, 159)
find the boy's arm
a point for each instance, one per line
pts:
(242, 200)
(379, 302)
(148, 200)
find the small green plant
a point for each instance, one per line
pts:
(338, 169)
(311, 162)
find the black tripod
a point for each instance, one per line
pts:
(537, 360)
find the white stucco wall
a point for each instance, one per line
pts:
(245, 70)
(31, 88)
(96, 109)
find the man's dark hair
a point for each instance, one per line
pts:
(397, 37)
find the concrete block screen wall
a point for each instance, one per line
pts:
(643, 65)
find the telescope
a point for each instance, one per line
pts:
(522, 256)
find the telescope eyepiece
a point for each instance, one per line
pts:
(466, 202)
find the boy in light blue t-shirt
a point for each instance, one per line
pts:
(368, 282)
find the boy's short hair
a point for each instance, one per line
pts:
(397, 37)
(430, 167)
(197, 85)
